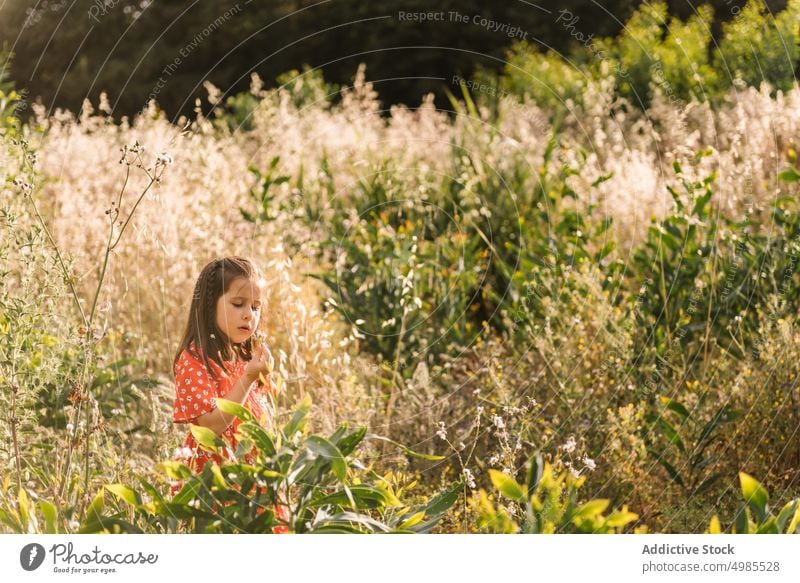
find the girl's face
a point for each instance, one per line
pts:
(239, 309)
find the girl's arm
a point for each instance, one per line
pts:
(261, 362)
(218, 421)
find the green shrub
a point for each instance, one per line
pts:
(754, 517)
(327, 488)
(758, 47)
(546, 504)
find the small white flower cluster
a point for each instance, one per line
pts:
(470, 479)
(498, 422)
(441, 433)
(569, 446)
(589, 463)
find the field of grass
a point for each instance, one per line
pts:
(583, 321)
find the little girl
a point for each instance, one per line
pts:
(218, 357)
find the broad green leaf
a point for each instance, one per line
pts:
(755, 495)
(443, 500)
(365, 497)
(675, 406)
(620, 518)
(706, 484)
(95, 510)
(413, 520)
(507, 486)
(592, 508)
(789, 175)
(297, 422)
(24, 509)
(50, 517)
(125, 493)
(207, 438)
(787, 513)
(534, 474)
(770, 526)
(349, 442)
(350, 518)
(261, 438)
(174, 469)
(326, 449)
(235, 409)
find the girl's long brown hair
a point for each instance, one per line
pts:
(213, 281)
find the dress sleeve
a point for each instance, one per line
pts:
(194, 389)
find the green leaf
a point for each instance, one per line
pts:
(507, 486)
(789, 175)
(755, 495)
(95, 510)
(326, 449)
(174, 469)
(675, 406)
(349, 518)
(259, 436)
(24, 509)
(207, 438)
(673, 473)
(770, 526)
(592, 508)
(706, 484)
(671, 433)
(125, 493)
(413, 520)
(350, 441)
(534, 474)
(406, 450)
(235, 409)
(787, 513)
(443, 500)
(297, 422)
(364, 496)
(50, 517)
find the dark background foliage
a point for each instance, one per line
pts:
(68, 51)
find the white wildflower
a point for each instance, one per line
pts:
(569, 447)
(498, 422)
(589, 463)
(469, 478)
(441, 433)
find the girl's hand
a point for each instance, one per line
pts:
(261, 363)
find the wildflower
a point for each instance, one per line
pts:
(572, 470)
(469, 478)
(589, 463)
(165, 159)
(480, 409)
(441, 433)
(569, 446)
(493, 460)
(498, 422)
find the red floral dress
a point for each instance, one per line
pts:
(195, 390)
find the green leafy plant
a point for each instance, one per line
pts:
(546, 503)
(689, 440)
(325, 488)
(755, 517)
